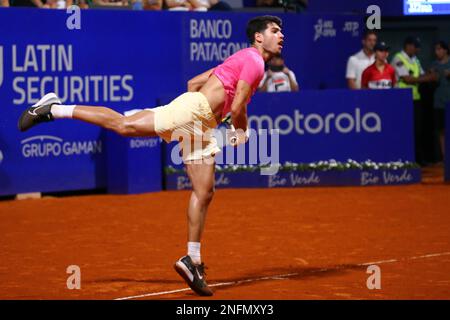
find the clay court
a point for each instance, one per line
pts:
(305, 243)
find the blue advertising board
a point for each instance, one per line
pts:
(103, 63)
(283, 179)
(320, 125)
(387, 7)
(133, 164)
(309, 51)
(127, 65)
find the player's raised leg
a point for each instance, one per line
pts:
(190, 267)
(140, 124)
(50, 108)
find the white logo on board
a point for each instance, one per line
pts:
(313, 123)
(324, 28)
(43, 146)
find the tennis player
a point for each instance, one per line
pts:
(210, 97)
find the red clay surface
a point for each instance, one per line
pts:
(126, 245)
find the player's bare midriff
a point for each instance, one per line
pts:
(214, 92)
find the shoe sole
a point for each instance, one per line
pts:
(185, 277)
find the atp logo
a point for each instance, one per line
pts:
(324, 28)
(1, 66)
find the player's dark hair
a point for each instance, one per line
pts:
(368, 32)
(259, 24)
(443, 45)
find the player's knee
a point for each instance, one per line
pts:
(205, 196)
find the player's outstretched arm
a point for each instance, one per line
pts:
(239, 105)
(196, 83)
(239, 133)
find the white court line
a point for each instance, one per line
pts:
(283, 276)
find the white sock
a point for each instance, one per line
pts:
(194, 252)
(62, 111)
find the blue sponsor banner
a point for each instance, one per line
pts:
(67, 156)
(120, 65)
(318, 125)
(126, 65)
(338, 124)
(309, 49)
(387, 7)
(134, 164)
(180, 181)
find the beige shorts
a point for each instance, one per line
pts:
(188, 119)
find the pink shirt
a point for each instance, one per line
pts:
(247, 65)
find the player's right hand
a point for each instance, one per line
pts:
(237, 137)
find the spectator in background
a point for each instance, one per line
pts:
(294, 5)
(278, 78)
(268, 3)
(24, 3)
(83, 4)
(361, 60)
(442, 93)
(111, 3)
(197, 5)
(380, 74)
(211, 5)
(45, 4)
(409, 74)
(55, 4)
(177, 5)
(149, 5)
